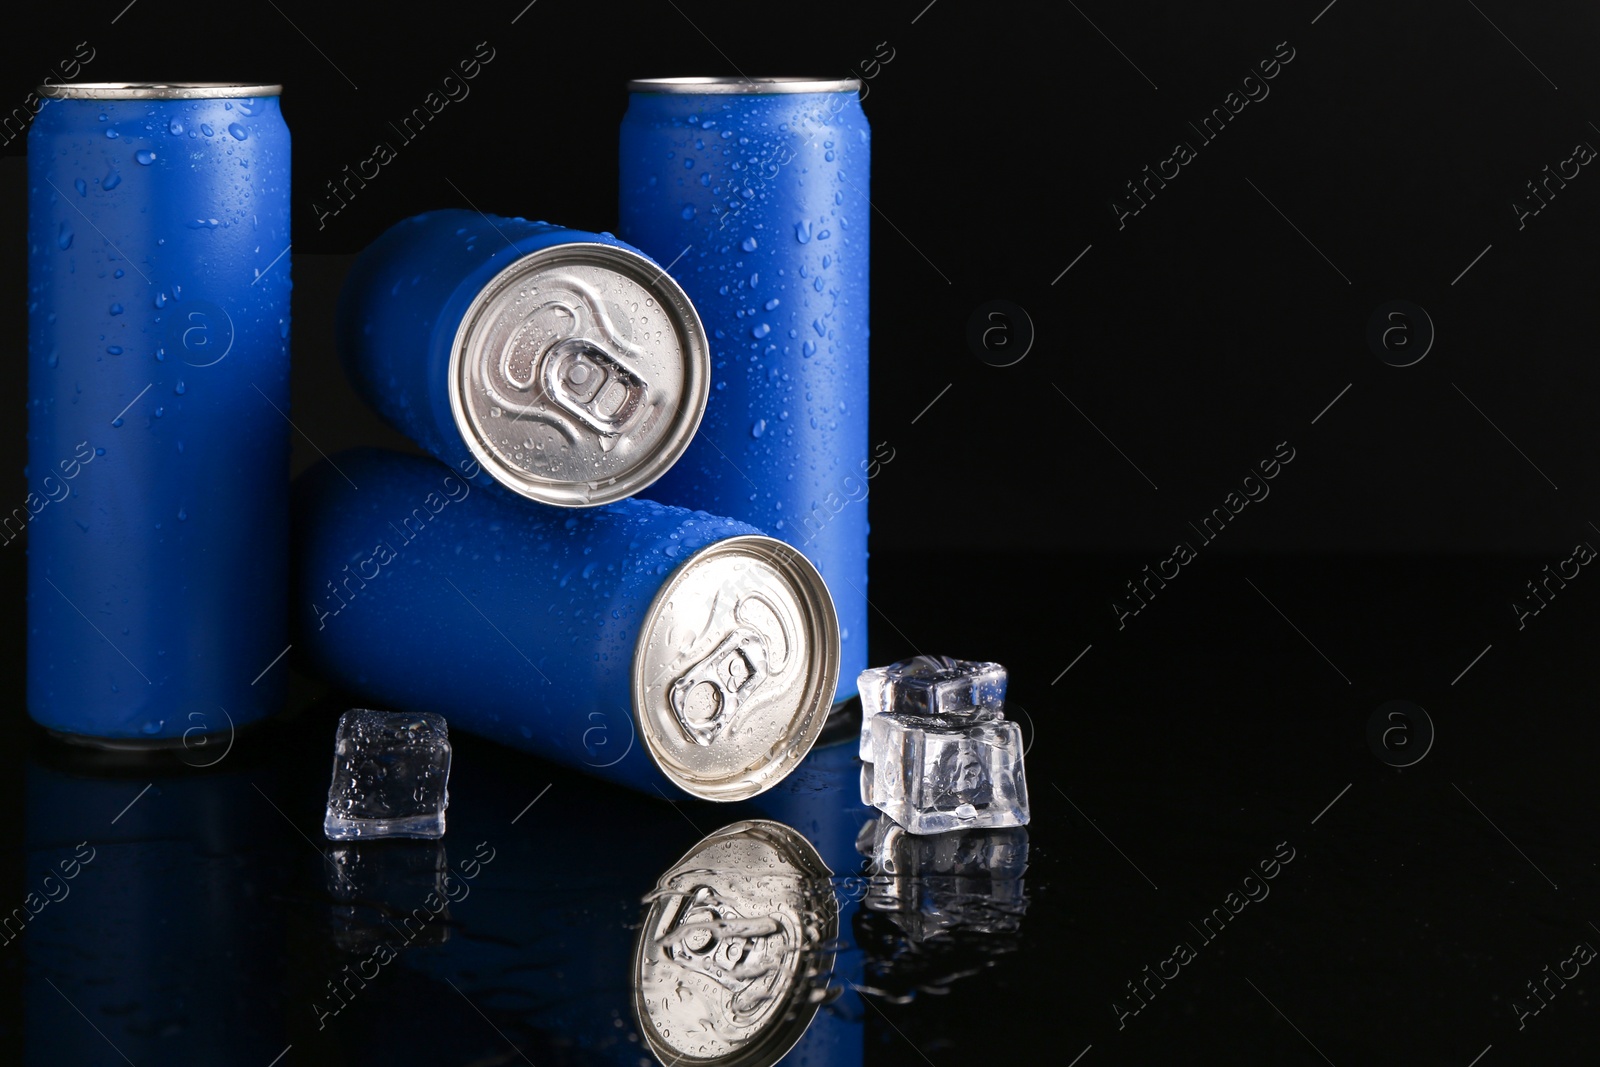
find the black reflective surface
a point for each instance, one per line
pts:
(1221, 866)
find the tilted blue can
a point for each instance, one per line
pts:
(756, 190)
(650, 645)
(568, 364)
(158, 395)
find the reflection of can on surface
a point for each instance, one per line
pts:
(730, 959)
(645, 643)
(158, 382)
(757, 189)
(570, 366)
(119, 849)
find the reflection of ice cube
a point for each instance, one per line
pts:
(936, 887)
(930, 685)
(359, 872)
(1001, 854)
(391, 774)
(377, 884)
(935, 773)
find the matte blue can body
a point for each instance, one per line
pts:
(760, 201)
(430, 589)
(404, 299)
(158, 393)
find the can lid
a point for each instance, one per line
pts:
(158, 91)
(757, 885)
(744, 85)
(579, 374)
(735, 667)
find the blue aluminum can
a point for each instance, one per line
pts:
(756, 190)
(567, 364)
(651, 645)
(158, 395)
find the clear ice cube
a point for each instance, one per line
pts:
(391, 776)
(930, 685)
(869, 684)
(933, 773)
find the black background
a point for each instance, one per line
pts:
(1222, 319)
(1196, 337)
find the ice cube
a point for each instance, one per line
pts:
(391, 776)
(930, 685)
(866, 784)
(933, 773)
(869, 684)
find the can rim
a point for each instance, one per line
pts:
(743, 85)
(696, 346)
(822, 678)
(778, 1040)
(157, 91)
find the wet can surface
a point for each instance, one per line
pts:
(756, 190)
(158, 395)
(650, 645)
(567, 364)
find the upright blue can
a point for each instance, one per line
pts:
(158, 395)
(567, 364)
(757, 190)
(650, 645)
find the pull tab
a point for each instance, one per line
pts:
(593, 386)
(706, 697)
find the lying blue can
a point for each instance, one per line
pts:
(647, 644)
(757, 190)
(567, 364)
(158, 395)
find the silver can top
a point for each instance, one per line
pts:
(744, 85)
(158, 91)
(730, 957)
(579, 374)
(735, 667)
